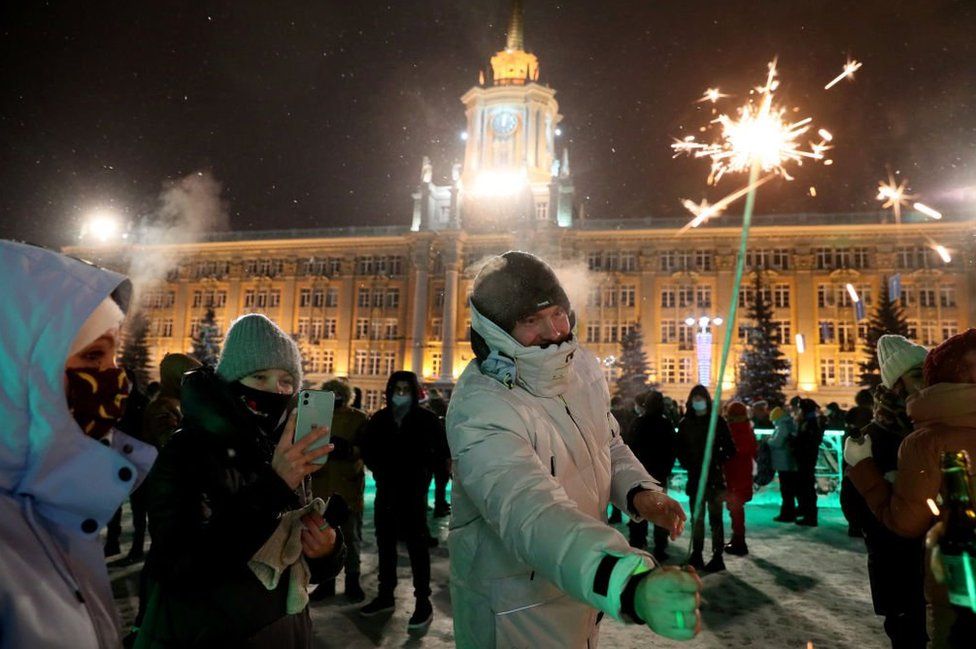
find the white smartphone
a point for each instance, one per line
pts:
(315, 408)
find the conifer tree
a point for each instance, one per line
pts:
(888, 318)
(135, 354)
(762, 366)
(633, 365)
(206, 344)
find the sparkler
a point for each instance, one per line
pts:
(855, 298)
(849, 69)
(943, 253)
(894, 196)
(760, 136)
(712, 95)
(759, 139)
(927, 211)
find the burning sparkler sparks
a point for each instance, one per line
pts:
(894, 196)
(943, 253)
(849, 69)
(703, 211)
(759, 136)
(855, 298)
(712, 95)
(927, 211)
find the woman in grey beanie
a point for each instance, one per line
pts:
(218, 492)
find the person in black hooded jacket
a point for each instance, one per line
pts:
(216, 496)
(401, 448)
(690, 449)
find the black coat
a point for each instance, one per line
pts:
(653, 441)
(213, 501)
(403, 457)
(806, 444)
(690, 449)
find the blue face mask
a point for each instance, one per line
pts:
(700, 405)
(400, 400)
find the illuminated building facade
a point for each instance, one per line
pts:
(364, 302)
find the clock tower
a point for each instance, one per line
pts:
(512, 175)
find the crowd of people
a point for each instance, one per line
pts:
(248, 525)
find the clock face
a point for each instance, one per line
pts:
(504, 123)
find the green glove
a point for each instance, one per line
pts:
(667, 600)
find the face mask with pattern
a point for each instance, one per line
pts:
(96, 398)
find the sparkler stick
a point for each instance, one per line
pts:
(704, 211)
(759, 140)
(849, 69)
(927, 211)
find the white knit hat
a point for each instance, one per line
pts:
(897, 355)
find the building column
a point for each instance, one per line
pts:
(452, 258)
(420, 257)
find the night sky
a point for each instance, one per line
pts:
(317, 114)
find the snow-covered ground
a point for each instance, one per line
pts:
(796, 585)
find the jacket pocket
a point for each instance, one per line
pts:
(510, 595)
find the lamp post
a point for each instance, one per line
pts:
(703, 345)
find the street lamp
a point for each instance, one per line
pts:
(703, 345)
(102, 226)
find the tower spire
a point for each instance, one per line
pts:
(515, 42)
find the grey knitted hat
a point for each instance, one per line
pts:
(514, 285)
(253, 343)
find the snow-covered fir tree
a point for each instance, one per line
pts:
(762, 366)
(633, 366)
(206, 344)
(135, 350)
(888, 318)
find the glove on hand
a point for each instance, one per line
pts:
(667, 599)
(856, 451)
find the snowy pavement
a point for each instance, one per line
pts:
(797, 585)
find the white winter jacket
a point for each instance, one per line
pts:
(57, 486)
(537, 457)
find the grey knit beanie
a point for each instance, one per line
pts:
(254, 342)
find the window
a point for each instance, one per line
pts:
(610, 296)
(703, 259)
(703, 296)
(330, 328)
(908, 296)
(274, 297)
(781, 296)
(362, 300)
(684, 370)
(947, 296)
(845, 336)
(949, 329)
(928, 331)
(669, 331)
(913, 257)
(439, 299)
(166, 328)
(686, 295)
(684, 259)
(778, 258)
(328, 361)
(628, 295)
(374, 365)
(668, 260)
(592, 332)
(912, 330)
(628, 262)
(360, 361)
(593, 296)
(825, 258)
(611, 261)
(610, 332)
(828, 371)
(389, 362)
(377, 298)
(594, 261)
(373, 399)
(435, 363)
(827, 330)
(392, 298)
(436, 329)
(362, 328)
(667, 297)
(332, 297)
(211, 268)
(249, 298)
(859, 257)
(396, 266)
(376, 328)
(364, 266)
(335, 265)
(668, 370)
(305, 297)
(825, 295)
(846, 374)
(782, 331)
(316, 330)
(926, 297)
(391, 329)
(686, 336)
(303, 327)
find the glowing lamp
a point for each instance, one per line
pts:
(102, 226)
(499, 183)
(801, 345)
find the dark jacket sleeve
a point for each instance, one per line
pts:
(202, 527)
(368, 443)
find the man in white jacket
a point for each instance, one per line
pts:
(537, 458)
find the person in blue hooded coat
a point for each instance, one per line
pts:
(64, 469)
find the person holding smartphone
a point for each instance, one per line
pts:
(216, 496)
